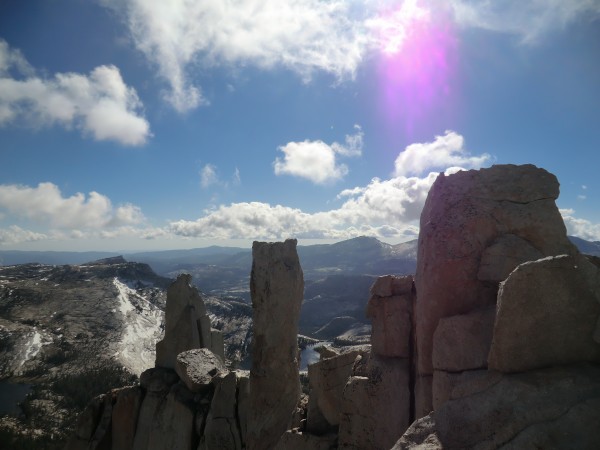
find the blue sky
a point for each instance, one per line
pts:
(144, 124)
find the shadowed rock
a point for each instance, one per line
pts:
(187, 325)
(276, 286)
(390, 310)
(548, 314)
(550, 408)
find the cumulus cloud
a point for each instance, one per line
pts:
(582, 228)
(383, 208)
(445, 151)
(317, 161)
(388, 209)
(15, 235)
(46, 204)
(99, 104)
(531, 20)
(313, 160)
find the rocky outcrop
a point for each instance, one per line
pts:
(187, 325)
(381, 381)
(222, 430)
(276, 287)
(476, 227)
(506, 351)
(171, 409)
(508, 319)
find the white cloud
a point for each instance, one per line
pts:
(383, 208)
(445, 151)
(301, 35)
(181, 37)
(582, 228)
(315, 160)
(100, 104)
(353, 143)
(45, 204)
(237, 179)
(11, 58)
(208, 175)
(392, 29)
(531, 20)
(256, 220)
(387, 209)
(15, 235)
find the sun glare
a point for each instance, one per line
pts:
(416, 63)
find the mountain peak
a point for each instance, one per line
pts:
(113, 260)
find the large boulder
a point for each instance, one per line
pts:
(553, 408)
(462, 224)
(548, 314)
(276, 287)
(197, 368)
(327, 379)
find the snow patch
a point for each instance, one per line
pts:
(32, 345)
(142, 322)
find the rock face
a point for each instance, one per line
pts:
(221, 430)
(548, 314)
(276, 287)
(390, 310)
(476, 227)
(548, 408)
(327, 379)
(375, 408)
(463, 342)
(381, 381)
(187, 325)
(508, 319)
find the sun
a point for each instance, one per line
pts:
(417, 59)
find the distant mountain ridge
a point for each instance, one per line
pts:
(357, 255)
(586, 247)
